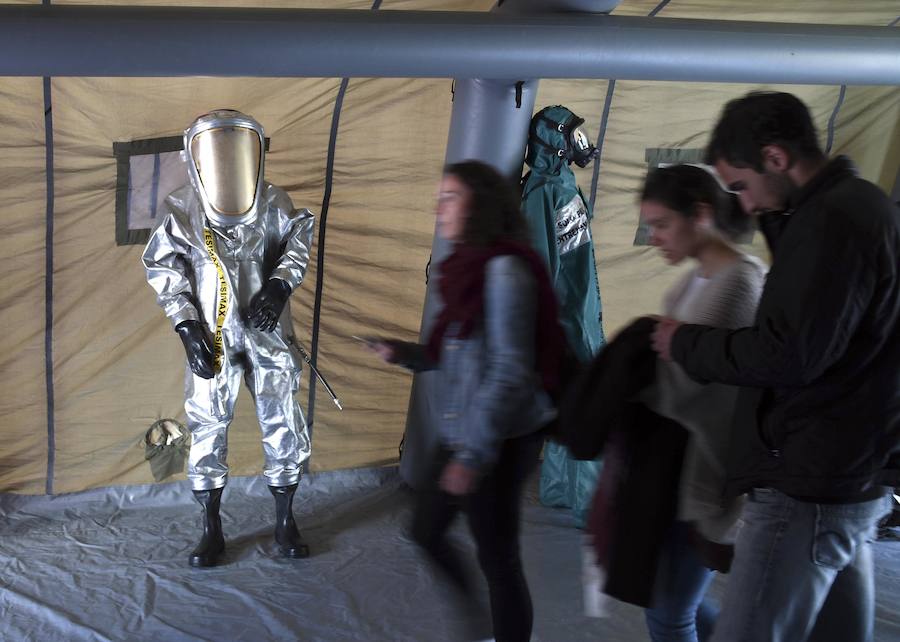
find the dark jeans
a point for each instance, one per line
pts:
(493, 513)
(680, 613)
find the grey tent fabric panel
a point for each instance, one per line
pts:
(111, 564)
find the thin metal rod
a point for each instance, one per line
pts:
(189, 41)
(48, 287)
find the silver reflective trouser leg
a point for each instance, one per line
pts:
(209, 405)
(273, 377)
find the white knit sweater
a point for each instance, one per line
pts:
(727, 300)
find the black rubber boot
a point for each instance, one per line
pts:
(212, 544)
(286, 534)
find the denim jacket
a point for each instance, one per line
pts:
(491, 390)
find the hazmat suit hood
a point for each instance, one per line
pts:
(556, 139)
(224, 150)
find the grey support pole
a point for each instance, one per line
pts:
(489, 122)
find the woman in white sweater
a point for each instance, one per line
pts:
(692, 218)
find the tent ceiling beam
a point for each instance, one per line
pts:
(76, 40)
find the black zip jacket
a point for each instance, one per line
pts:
(820, 417)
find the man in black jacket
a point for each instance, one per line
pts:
(816, 434)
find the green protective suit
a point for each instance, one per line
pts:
(559, 219)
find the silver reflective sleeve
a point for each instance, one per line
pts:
(165, 261)
(296, 230)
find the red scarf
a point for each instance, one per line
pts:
(461, 284)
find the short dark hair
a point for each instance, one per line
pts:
(494, 204)
(758, 119)
(682, 187)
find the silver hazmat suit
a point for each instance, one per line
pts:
(229, 215)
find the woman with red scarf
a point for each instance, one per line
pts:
(496, 344)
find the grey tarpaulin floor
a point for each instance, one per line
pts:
(111, 564)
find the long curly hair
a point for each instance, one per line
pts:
(494, 204)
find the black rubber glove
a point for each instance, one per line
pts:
(267, 304)
(198, 348)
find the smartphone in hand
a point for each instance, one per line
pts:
(382, 347)
(369, 342)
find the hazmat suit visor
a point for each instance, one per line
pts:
(228, 165)
(581, 150)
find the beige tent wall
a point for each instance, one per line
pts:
(859, 12)
(23, 400)
(868, 130)
(117, 364)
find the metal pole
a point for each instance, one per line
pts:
(489, 122)
(186, 41)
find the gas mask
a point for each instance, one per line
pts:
(574, 146)
(224, 153)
